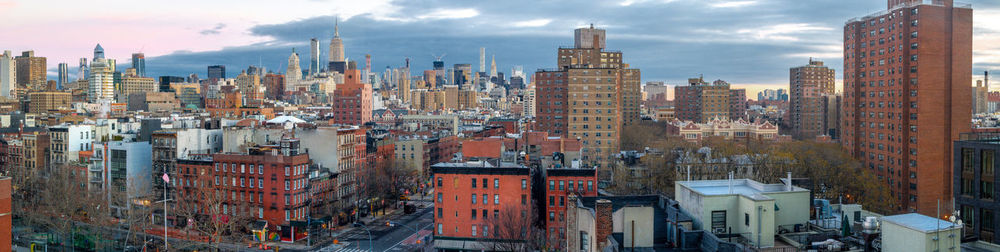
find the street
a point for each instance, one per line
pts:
(385, 238)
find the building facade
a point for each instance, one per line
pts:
(478, 201)
(808, 86)
(907, 83)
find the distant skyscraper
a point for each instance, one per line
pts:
(31, 71)
(139, 63)
(482, 59)
(463, 75)
(907, 89)
(82, 72)
(101, 86)
(63, 76)
(313, 56)
(493, 66)
(336, 45)
(294, 72)
(8, 72)
(217, 72)
(809, 84)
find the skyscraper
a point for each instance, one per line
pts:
(31, 71)
(337, 51)
(463, 75)
(217, 72)
(63, 76)
(139, 64)
(101, 78)
(808, 85)
(586, 98)
(8, 75)
(313, 56)
(294, 73)
(82, 72)
(482, 59)
(493, 66)
(907, 83)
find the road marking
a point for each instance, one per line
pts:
(401, 241)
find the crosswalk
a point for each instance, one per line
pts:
(351, 250)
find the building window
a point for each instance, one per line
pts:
(967, 187)
(562, 201)
(524, 184)
(440, 228)
(562, 185)
(986, 162)
(473, 230)
(552, 185)
(440, 182)
(496, 199)
(746, 219)
(986, 190)
(473, 183)
(473, 214)
(524, 199)
(987, 216)
(440, 197)
(473, 198)
(718, 221)
(496, 183)
(552, 216)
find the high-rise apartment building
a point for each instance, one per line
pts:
(294, 69)
(313, 56)
(702, 102)
(101, 78)
(139, 63)
(217, 72)
(590, 96)
(463, 75)
(31, 72)
(980, 94)
(352, 101)
(807, 87)
(249, 85)
(8, 75)
(907, 78)
(274, 85)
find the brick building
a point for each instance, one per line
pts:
(478, 201)
(270, 182)
(907, 83)
(561, 183)
(701, 101)
(352, 101)
(808, 86)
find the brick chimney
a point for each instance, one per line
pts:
(605, 224)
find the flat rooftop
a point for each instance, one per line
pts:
(745, 187)
(919, 222)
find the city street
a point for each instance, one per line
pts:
(386, 238)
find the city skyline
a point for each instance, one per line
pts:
(702, 41)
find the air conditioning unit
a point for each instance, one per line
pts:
(719, 231)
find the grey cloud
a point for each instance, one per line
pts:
(214, 30)
(668, 40)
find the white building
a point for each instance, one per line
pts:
(102, 86)
(8, 75)
(66, 142)
(122, 171)
(915, 232)
(749, 208)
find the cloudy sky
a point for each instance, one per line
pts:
(750, 43)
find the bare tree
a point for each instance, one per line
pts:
(515, 229)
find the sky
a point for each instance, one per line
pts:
(749, 43)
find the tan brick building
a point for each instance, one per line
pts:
(43, 102)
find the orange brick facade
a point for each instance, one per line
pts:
(467, 196)
(907, 89)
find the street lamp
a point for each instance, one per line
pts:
(371, 246)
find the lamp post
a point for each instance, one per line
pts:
(371, 246)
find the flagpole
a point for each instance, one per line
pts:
(166, 180)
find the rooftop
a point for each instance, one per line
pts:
(919, 222)
(745, 187)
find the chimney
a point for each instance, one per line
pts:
(788, 186)
(604, 226)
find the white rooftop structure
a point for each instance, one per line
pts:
(285, 119)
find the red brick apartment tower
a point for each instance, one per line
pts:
(807, 87)
(469, 196)
(352, 101)
(908, 75)
(560, 185)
